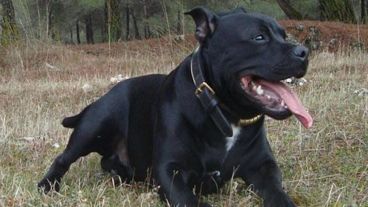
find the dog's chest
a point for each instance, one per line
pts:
(230, 141)
(214, 156)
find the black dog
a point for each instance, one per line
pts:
(204, 122)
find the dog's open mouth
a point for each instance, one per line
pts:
(276, 98)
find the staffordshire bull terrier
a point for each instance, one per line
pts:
(203, 123)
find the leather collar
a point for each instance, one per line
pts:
(209, 101)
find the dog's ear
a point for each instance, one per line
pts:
(205, 21)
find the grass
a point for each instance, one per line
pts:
(40, 84)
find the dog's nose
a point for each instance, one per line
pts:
(301, 52)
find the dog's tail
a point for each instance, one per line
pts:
(72, 121)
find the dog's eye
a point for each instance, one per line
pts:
(259, 38)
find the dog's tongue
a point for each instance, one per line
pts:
(291, 100)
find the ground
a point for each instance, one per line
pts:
(40, 84)
(329, 36)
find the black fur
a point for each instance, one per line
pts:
(156, 121)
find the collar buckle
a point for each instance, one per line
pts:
(206, 96)
(202, 87)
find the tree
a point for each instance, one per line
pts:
(89, 29)
(77, 31)
(84, 14)
(63, 20)
(135, 23)
(146, 27)
(113, 19)
(46, 13)
(337, 10)
(289, 11)
(127, 24)
(363, 9)
(8, 23)
(145, 13)
(179, 23)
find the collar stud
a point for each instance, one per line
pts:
(247, 122)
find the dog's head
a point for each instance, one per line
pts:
(246, 57)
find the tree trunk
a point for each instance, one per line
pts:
(337, 10)
(50, 19)
(105, 27)
(108, 19)
(178, 25)
(289, 11)
(127, 15)
(147, 33)
(77, 31)
(89, 29)
(366, 9)
(113, 19)
(103, 33)
(9, 28)
(363, 11)
(71, 36)
(116, 19)
(136, 29)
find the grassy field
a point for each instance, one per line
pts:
(326, 165)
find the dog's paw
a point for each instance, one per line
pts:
(210, 183)
(45, 186)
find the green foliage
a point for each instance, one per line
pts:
(9, 33)
(113, 20)
(309, 9)
(56, 19)
(9, 29)
(270, 8)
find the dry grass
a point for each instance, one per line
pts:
(324, 166)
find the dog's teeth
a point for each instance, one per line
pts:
(259, 90)
(283, 104)
(288, 80)
(254, 87)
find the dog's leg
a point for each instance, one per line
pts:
(259, 169)
(118, 163)
(266, 180)
(174, 189)
(115, 166)
(78, 146)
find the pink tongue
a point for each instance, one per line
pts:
(291, 100)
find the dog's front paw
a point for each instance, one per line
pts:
(210, 183)
(45, 186)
